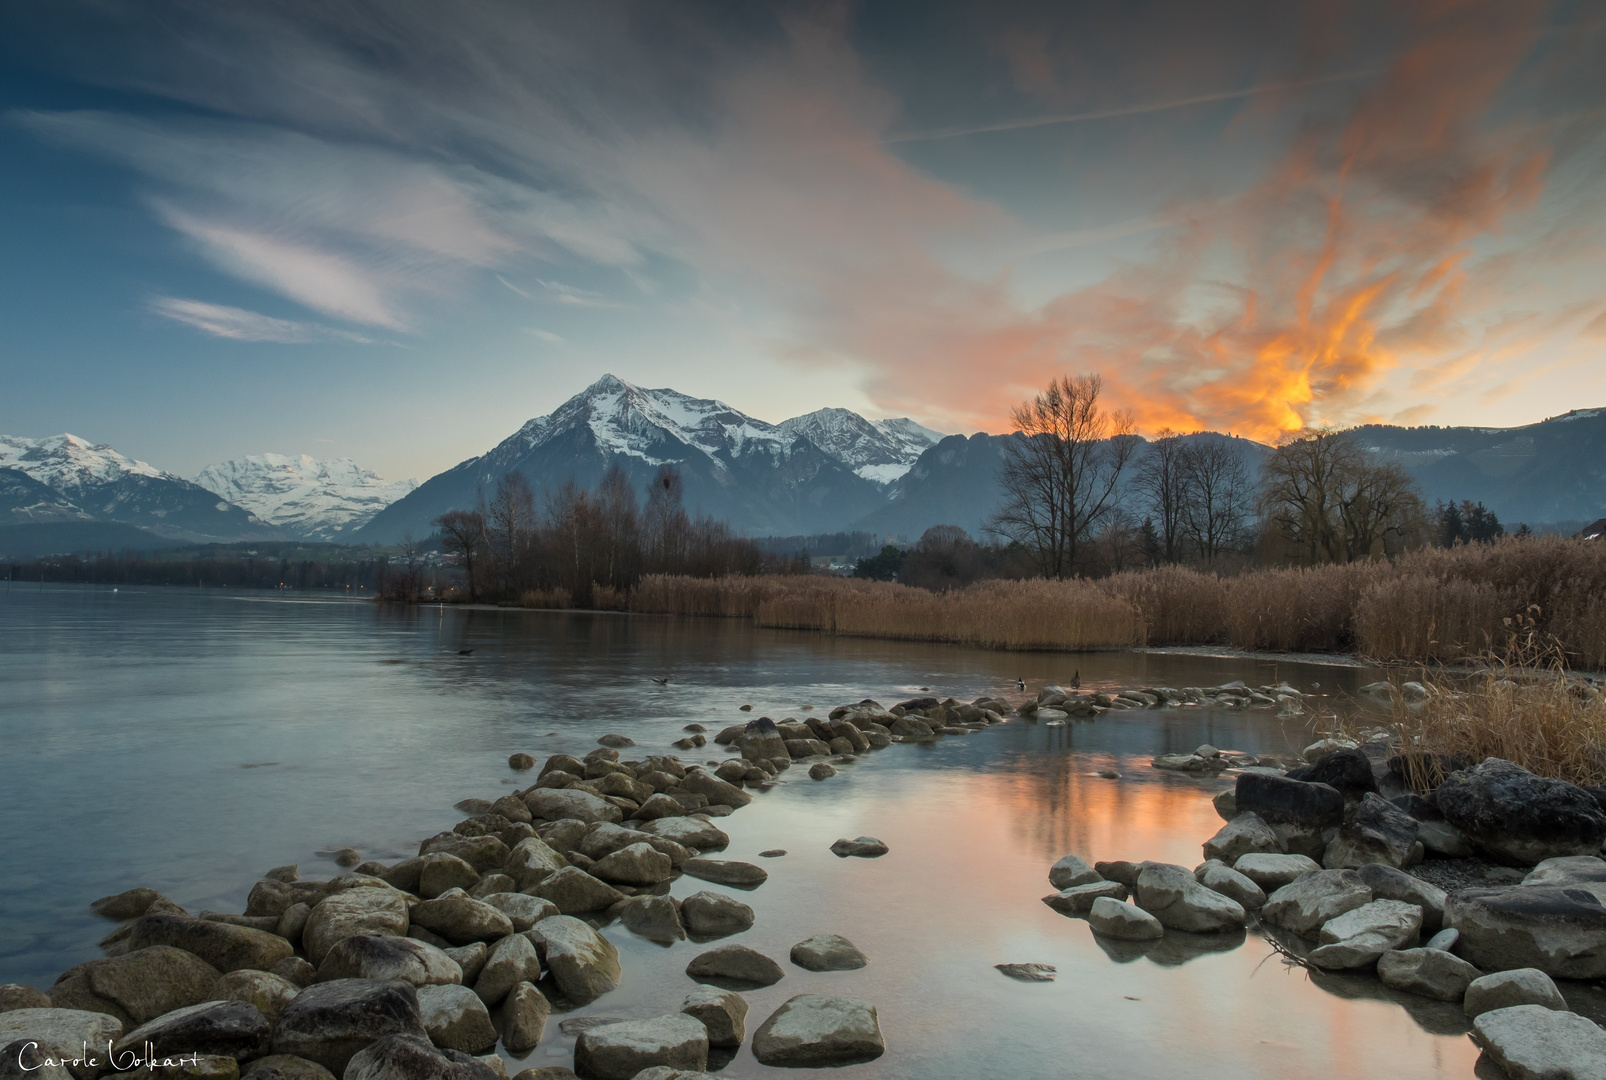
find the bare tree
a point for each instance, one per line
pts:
(510, 527)
(1159, 480)
(666, 524)
(1061, 473)
(1328, 500)
(619, 518)
(1217, 496)
(463, 533)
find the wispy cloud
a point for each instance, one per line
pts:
(544, 335)
(572, 297)
(238, 324)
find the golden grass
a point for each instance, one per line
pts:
(546, 598)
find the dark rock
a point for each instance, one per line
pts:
(1350, 771)
(1520, 818)
(126, 905)
(735, 967)
(234, 1029)
(411, 1057)
(1283, 801)
(153, 981)
(865, 847)
(329, 1022)
(1374, 831)
(1559, 929)
(1429, 767)
(225, 947)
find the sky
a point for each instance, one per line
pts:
(396, 231)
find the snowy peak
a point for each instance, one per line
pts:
(877, 450)
(69, 464)
(313, 498)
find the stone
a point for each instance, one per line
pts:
(1559, 929)
(1225, 802)
(865, 847)
(20, 996)
(1426, 972)
(1243, 834)
(353, 913)
(1347, 769)
(583, 963)
(531, 860)
(635, 864)
(616, 741)
(828, 952)
(1304, 905)
(1218, 877)
(1271, 872)
(694, 833)
(1071, 871)
(456, 1019)
(572, 890)
(1281, 801)
(551, 804)
(270, 993)
(439, 871)
(1170, 894)
(821, 770)
(1124, 872)
(221, 1028)
(1123, 922)
(1531, 1042)
(1444, 940)
(296, 970)
(1374, 831)
(714, 915)
(621, 1051)
(225, 947)
(1078, 899)
(740, 875)
(1441, 840)
(657, 806)
(483, 853)
(722, 1012)
(549, 1072)
(285, 1067)
(460, 919)
(62, 1033)
(1388, 883)
(411, 1057)
(1568, 870)
(521, 762)
(1027, 972)
(653, 917)
(522, 1018)
(1506, 989)
(815, 1031)
(522, 909)
(126, 905)
(1520, 818)
(293, 923)
(158, 979)
(329, 1022)
(1359, 936)
(735, 967)
(716, 790)
(385, 956)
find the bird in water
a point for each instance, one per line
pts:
(1020, 684)
(1076, 680)
(664, 681)
(465, 652)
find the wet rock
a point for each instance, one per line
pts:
(225, 947)
(329, 1022)
(19, 996)
(1444, 940)
(1359, 936)
(1279, 800)
(149, 982)
(439, 871)
(714, 915)
(735, 967)
(1078, 900)
(484, 853)
(573, 890)
(511, 961)
(815, 1031)
(295, 970)
(722, 1012)
(623, 1050)
(1374, 831)
(531, 860)
(1028, 972)
(1426, 972)
(456, 1019)
(692, 832)
(741, 875)
(1347, 769)
(1569, 870)
(828, 952)
(584, 964)
(1070, 872)
(460, 919)
(552, 804)
(865, 847)
(410, 1057)
(1388, 883)
(285, 1067)
(1124, 872)
(1559, 929)
(716, 790)
(634, 864)
(659, 806)
(821, 771)
(126, 905)
(352, 913)
(385, 956)
(1218, 877)
(61, 1033)
(222, 1028)
(293, 923)
(1242, 835)
(522, 909)
(522, 1018)
(1123, 922)
(1271, 872)
(270, 993)
(1225, 802)
(1505, 989)
(470, 957)
(1304, 905)
(1520, 818)
(653, 917)
(521, 762)
(1170, 894)
(1531, 1042)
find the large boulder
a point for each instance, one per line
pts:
(1520, 818)
(1271, 872)
(1559, 929)
(411, 1057)
(551, 804)
(1123, 922)
(270, 993)
(460, 919)
(1374, 831)
(583, 963)
(1244, 834)
(693, 832)
(722, 1012)
(741, 875)
(522, 1018)
(634, 864)
(735, 967)
(1078, 900)
(717, 791)
(531, 860)
(1304, 905)
(760, 740)
(329, 1022)
(1347, 769)
(149, 982)
(1358, 937)
(656, 918)
(385, 956)
(828, 952)
(1281, 801)
(224, 946)
(456, 1019)
(1388, 883)
(353, 913)
(233, 1029)
(1531, 1042)
(1430, 973)
(620, 1051)
(1171, 894)
(1504, 989)
(814, 1031)
(1070, 872)
(1218, 877)
(1569, 870)
(511, 961)
(708, 915)
(62, 1034)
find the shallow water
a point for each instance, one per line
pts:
(189, 740)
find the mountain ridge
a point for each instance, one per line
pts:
(310, 498)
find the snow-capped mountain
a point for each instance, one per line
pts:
(313, 499)
(876, 450)
(24, 500)
(107, 486)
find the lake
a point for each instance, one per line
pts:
(190, 740)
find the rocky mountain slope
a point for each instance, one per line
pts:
(307, 498)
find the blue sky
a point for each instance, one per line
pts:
(397, 231)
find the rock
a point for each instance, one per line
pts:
(584, 964)
(1226, 804)
(293, 923)
(695, 833)
(222, 1028)
(1028, 972)
(653, 917)
(549, 1072)
(483, 853)
(722, 1012)
(621, 1051)
(409, 1057)
(385, 956)
(158, 979)
(1078, 899)
(285, 1067)
(717, 790)
(270, 993)
(1304, 905)
(511, 961)
(865, 847)
(126, 905)
(19, 996)
(1123, 922)
(735, 967)
(439, 871)
(1520, 818)
(456, 1019)
(1281, 801)
(225, 947)
(1070, 872)
(821, 771)
(616, 741)
(62, 1033)
(1243, 834)
(1427, 972)
(552, 804)
(1271, 872)
(828, 952)
(521, 762)
(741, 875)
(531, 860)
(635, 864)
(1441, 840)
(714, 915)
(470, 957)
(1359, 936)
(760, 740)
(522, 909)
(1505, 989)
(460, 918)
(1388, 883)
(1374, 831)
(814, 1031)
(1347, 769)
(573, 890)
(1559, 929)
(329, 1022)
(1124, 872)
(353, 913)
(1170, 894)
(522, 1018)
(1568, 870)
(1531, 1042)
(659, 806)
(1444, 940)
(1218, 877)
(295, 970)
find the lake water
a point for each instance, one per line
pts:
(189, 740)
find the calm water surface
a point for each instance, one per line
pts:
(190, 740)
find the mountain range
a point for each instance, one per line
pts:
(305, 497)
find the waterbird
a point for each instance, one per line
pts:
(465, 652)
(664, 681)
(1076, 680)
(1020, 683)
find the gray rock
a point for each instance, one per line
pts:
(440, 871)
(1303, 906)
(409, 1057)
(126, 905)
(722, 1012)
(531, 860)
(62, 1033)
(385, 956)
(623, 1050)
(225, 947)
(1426, 972)
(1124, 872)
(1518, 817)
(1358, 937)
(221, 1028)
(1568, 870)
(1374, 831)
(1170, 894)
(1070, 872)
(653, 917)
(1279, 800)
(1531, 1042)
(352, 913)
(522, 909)
(293, 923)
(692, 832)
(460, 919)
(522, 1018)
(551, 804)
(1271, 871)
(1123, 922)
(821, 770)
(735, 967)
(1225, 802)
(483, 853)
(1078, 900)
(760, 740)
(584, 964)
(296, 970)
(21, 996)
(149, 982)
(1242, 835)
(572, 890)
(329, 1022)
(814, 1031)
(828, 952)
(716, 790)
(1218, 877)
(1388, 883)
(456, 1019)
(285, 1067)
(740, 875)
(270, 993)
(865, 847)
(1444, 940)
(1441, 840)
(1559, 929)
(714, 915)
(470, 957)
(635, 864)
(512, 960)
(1506, 989)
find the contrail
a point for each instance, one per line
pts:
(1127, 110)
